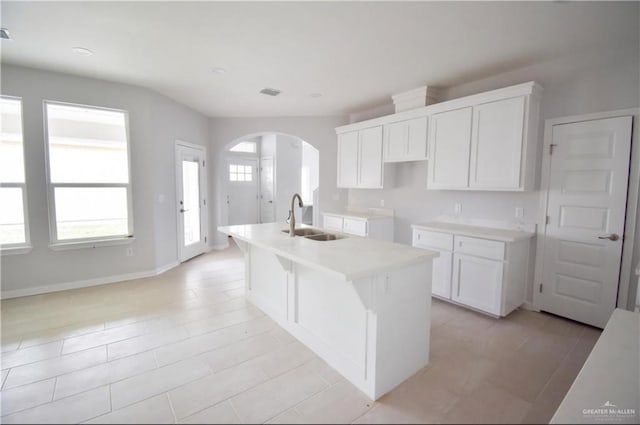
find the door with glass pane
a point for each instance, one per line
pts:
(191, 203)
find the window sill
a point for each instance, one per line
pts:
(63, 246)
(16, 250)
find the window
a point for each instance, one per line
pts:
(240, 173)
(246, 147)
(88, 174)
(14, 230)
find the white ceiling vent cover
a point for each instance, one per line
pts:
(270, 92)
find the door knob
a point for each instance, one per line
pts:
(183, 210)
(611, 237)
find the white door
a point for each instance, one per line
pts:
(587, 193)
(267, 192)
(395, 141)
(441, 280)
(348, 159)
(242, 190)
(417, 138)
(191, 190)
(449, 144)
(496, 144)
(477, 282)
(370, 164)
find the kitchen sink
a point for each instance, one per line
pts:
(324, 237)
(304, 232)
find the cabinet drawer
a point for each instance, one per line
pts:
(332, 222)
(437, 240)
(479, 247)
(355, 227)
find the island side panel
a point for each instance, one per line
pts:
(402, 306)
(266, 283)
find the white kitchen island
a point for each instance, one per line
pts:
(362, 305)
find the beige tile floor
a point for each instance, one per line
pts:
(186, 347)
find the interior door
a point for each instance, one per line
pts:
(242, 190)
(191, 206)
(267, 192)
(586, 207)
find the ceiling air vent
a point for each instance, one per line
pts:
(4, 34)
(270, 92)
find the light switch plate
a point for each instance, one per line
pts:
(519, 212)
(457, 208)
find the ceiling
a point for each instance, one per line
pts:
(355, 54)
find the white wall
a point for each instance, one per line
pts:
(600, 81)
(288, 170)
(155, 122)
(310, 162)
(317, 131)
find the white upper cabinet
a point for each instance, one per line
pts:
(360, 159)
(348, 159)
(496, 144)
(370, 164)
(450, 141)
(406, 140)
(485, 141)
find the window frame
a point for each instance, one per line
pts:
(238, 173)
(56, 244)
(22, 247)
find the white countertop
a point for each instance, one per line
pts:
(504, 235)
(350, 258)
(607, 387)
(360, 215)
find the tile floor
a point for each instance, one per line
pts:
(186, 347)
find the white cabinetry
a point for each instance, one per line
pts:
(479, 272)
(496, 144)
(369, 227)
(406, 140)
(487, 141)
(450, 141)
(360, 159)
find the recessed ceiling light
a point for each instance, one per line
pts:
(218, 70)
(82, 51)
(270, 92)
(316, 95)
(4, 34)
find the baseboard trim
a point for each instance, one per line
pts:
(37, 290)
(528, 306)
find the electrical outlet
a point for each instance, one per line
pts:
(457, 208)
(382, 202)
(130, 252)
(519, 212)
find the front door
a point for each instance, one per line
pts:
(267, 207)
(586, 207)
(191, 207)
(242, 190)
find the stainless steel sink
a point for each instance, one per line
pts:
(305, 232)
(324, 237)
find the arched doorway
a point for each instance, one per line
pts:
(260, 174)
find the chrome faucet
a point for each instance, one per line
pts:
(292, 217)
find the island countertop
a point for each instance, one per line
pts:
(349, 258)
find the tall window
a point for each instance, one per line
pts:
(89, 184)
(14, 230)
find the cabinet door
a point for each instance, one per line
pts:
(496, 144)
(355, 227)
(395, 141)
(449, 144)
(417, 138)
(370, 158)
(331, 222)
(441, 280)
(477, 282)
(348, 159)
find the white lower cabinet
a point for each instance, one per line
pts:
(477, 282)
(375, 228)
(483, 274)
